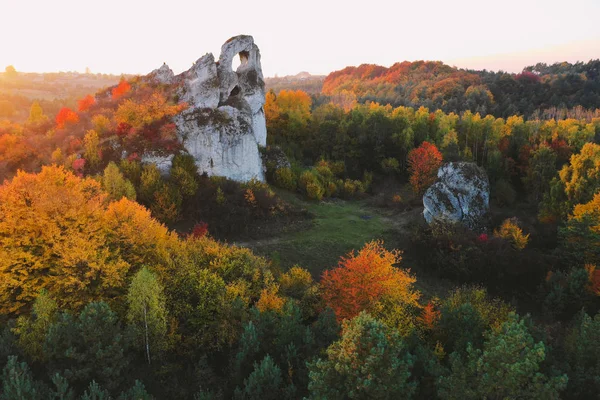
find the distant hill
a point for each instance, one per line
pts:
(51, 90)
(311, 84)
(436, 85)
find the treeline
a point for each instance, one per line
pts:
(377, 139)
(440, 87)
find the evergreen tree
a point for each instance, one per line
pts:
(508, 367)
(369, 361)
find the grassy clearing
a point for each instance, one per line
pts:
(337, 228)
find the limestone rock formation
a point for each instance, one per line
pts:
(224, 125)
(460, 194)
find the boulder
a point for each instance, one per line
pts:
(461, 194)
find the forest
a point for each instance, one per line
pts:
(120, 282)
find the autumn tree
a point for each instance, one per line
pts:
(423, 164)
(66, 116)
(363, 279)
(36, 114)
(580, 237)
(510, 230)
(369, 361)
(58, 233)
(122, 88)
(115, 184)
(91, 145)
(577, 183)
(85, 103)
(10, 72)
(147, 312)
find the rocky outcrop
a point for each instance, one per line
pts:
(224, 125)
(461, 194)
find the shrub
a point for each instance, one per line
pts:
(285, 178)
(509, 230)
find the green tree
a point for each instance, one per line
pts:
(90, 346)
(264, 383)
(582, 349)
(115, 184)
(32, 330)
(147, 313)
(18, 383)
(95, 392)
(184, 173)
(508, 367)
(137, 392)
(541, 170)
(369, 361)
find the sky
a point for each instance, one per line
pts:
(317, 36)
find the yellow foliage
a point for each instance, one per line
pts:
(141, 114)
(269, 300)
(510, 230)
(58, 232)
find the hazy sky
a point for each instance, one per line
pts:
(318, 36)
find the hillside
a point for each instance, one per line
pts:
(439, 86)
(52, 90)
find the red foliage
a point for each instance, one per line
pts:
(66, 115)
(561, 148)
(199, 230)
(78, 166)
(122, 88)
(123, 129)
(483, 238)
(429, 316)
(133, 157)
(423, 163)
(527, 77)
(85, 103)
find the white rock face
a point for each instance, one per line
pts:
(224, 125)
(162, 74)
(461, 194)
(201, 84)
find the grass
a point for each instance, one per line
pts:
(337, 228)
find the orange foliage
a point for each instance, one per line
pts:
(85, 103)
(429, 316)
(594, 275)
(269, 300)
(364, 278)
(66, 115)
(122, 88)
(423, 163)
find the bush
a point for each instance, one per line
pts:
(285, 178)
